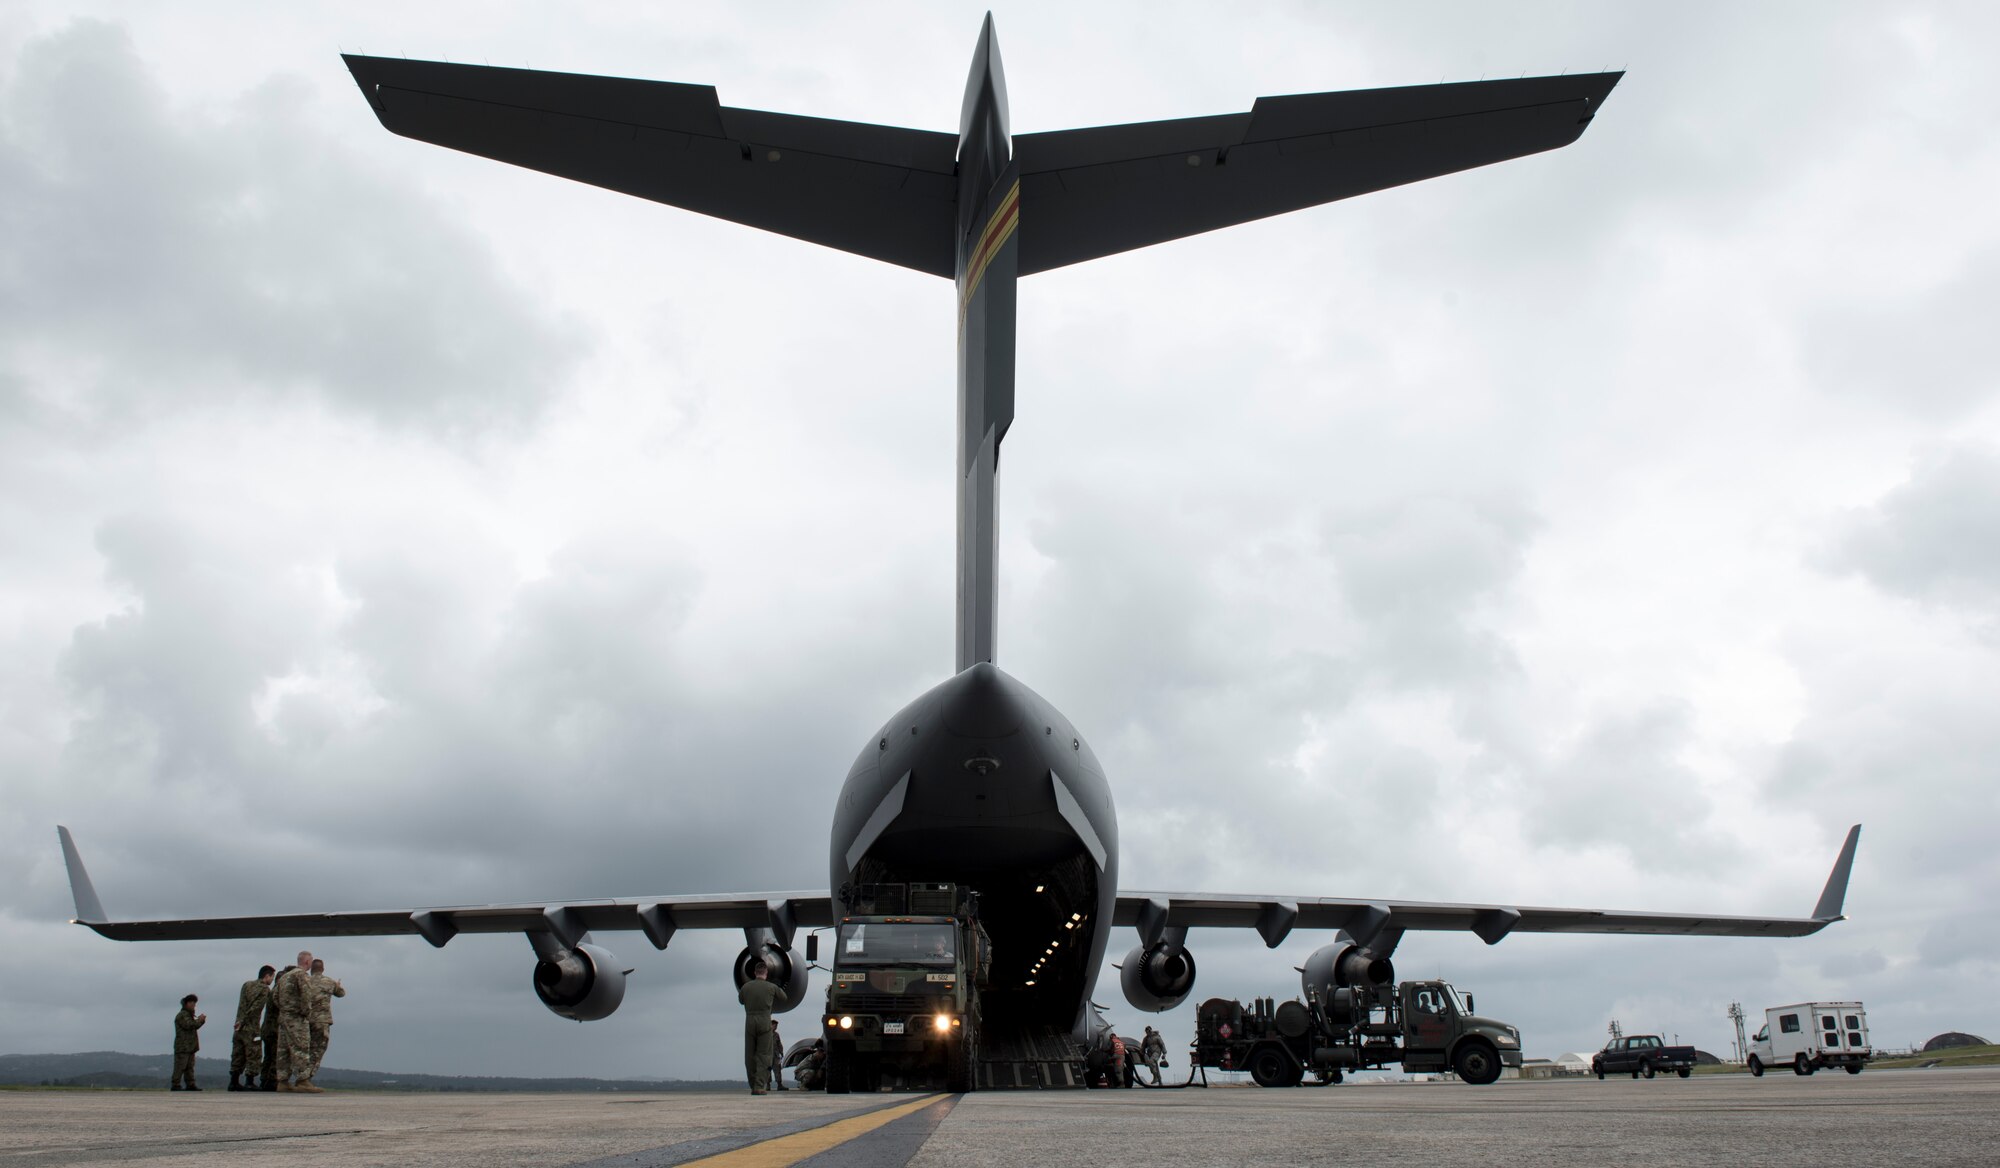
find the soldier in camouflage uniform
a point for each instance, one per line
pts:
(759, 998)
(186, 1041)
(320, 992)
(267, 1078)
(243, 1038)
(293, 994)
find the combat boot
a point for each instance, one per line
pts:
(193, 1087)
(285, 1085)
(173, 1086)
(234, 1085)
(267, 1084)
(306, 1085)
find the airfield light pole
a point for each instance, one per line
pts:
(1616, 1030)
(1742, 1043)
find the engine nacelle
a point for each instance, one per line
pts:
(1341, 965)
(1158, 978)
(784, 969)
(584, 983)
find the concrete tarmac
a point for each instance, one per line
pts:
(1825, 1121)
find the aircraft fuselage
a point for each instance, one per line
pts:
(983, 783)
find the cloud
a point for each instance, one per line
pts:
(1936, 538)
(165, 254)
(1931, 351)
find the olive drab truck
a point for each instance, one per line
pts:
(1423, 1025)
(908, 964)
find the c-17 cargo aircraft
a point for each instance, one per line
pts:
(980, 781)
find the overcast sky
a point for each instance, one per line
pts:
(382, 526)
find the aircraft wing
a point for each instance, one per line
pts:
(878, 191)
(1095, 192)
(1369, 921)
(658, 917)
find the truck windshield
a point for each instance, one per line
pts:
(894, 943)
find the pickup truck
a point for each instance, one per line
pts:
(1642, 1054)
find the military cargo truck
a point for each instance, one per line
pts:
(908, 964)
(1423, 1025)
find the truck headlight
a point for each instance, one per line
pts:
(942, 1022)
(1507, 1040)
(847, 1021)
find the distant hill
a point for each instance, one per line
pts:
(110, 1068)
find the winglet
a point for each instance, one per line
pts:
(1834, 896)
(88, 910)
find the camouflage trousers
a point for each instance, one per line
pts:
(294, 1049)
(245, 1053)
(316, 1040)
(183, 1069)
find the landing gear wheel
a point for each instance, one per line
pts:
(1756, 1067)
(1270, 1068)
(1684, 1072)
(837, 1068)
(1853, 1068)
(1801, 1065)
(1476, 1064)
(1646, 1067)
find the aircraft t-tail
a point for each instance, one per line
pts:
(979, 782)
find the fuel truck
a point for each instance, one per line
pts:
(1353, 1016)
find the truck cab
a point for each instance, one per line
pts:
(1441, 1032)
(904, 999)
(1811, 1035)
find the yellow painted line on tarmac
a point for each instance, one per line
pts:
(787, 1150)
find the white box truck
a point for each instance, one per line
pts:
(1812, 1035)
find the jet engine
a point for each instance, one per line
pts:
(784, 970)
(1158, 977)
(1341, 965)
(583, 983)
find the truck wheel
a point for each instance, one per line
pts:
(1597, 1066)
(836, 1069)
(1853, 1068)
(1476, 1064)
(1801, 1065)
(1646, 1067)
(1756, 1067)
(963, 1065)
(1270, 1068)
(1684, 1072)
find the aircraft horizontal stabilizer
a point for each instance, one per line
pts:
(1153, 913)
(878, 191)
(659, 917)
(1099, 191)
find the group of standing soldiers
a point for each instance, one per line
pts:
(284, 1019)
